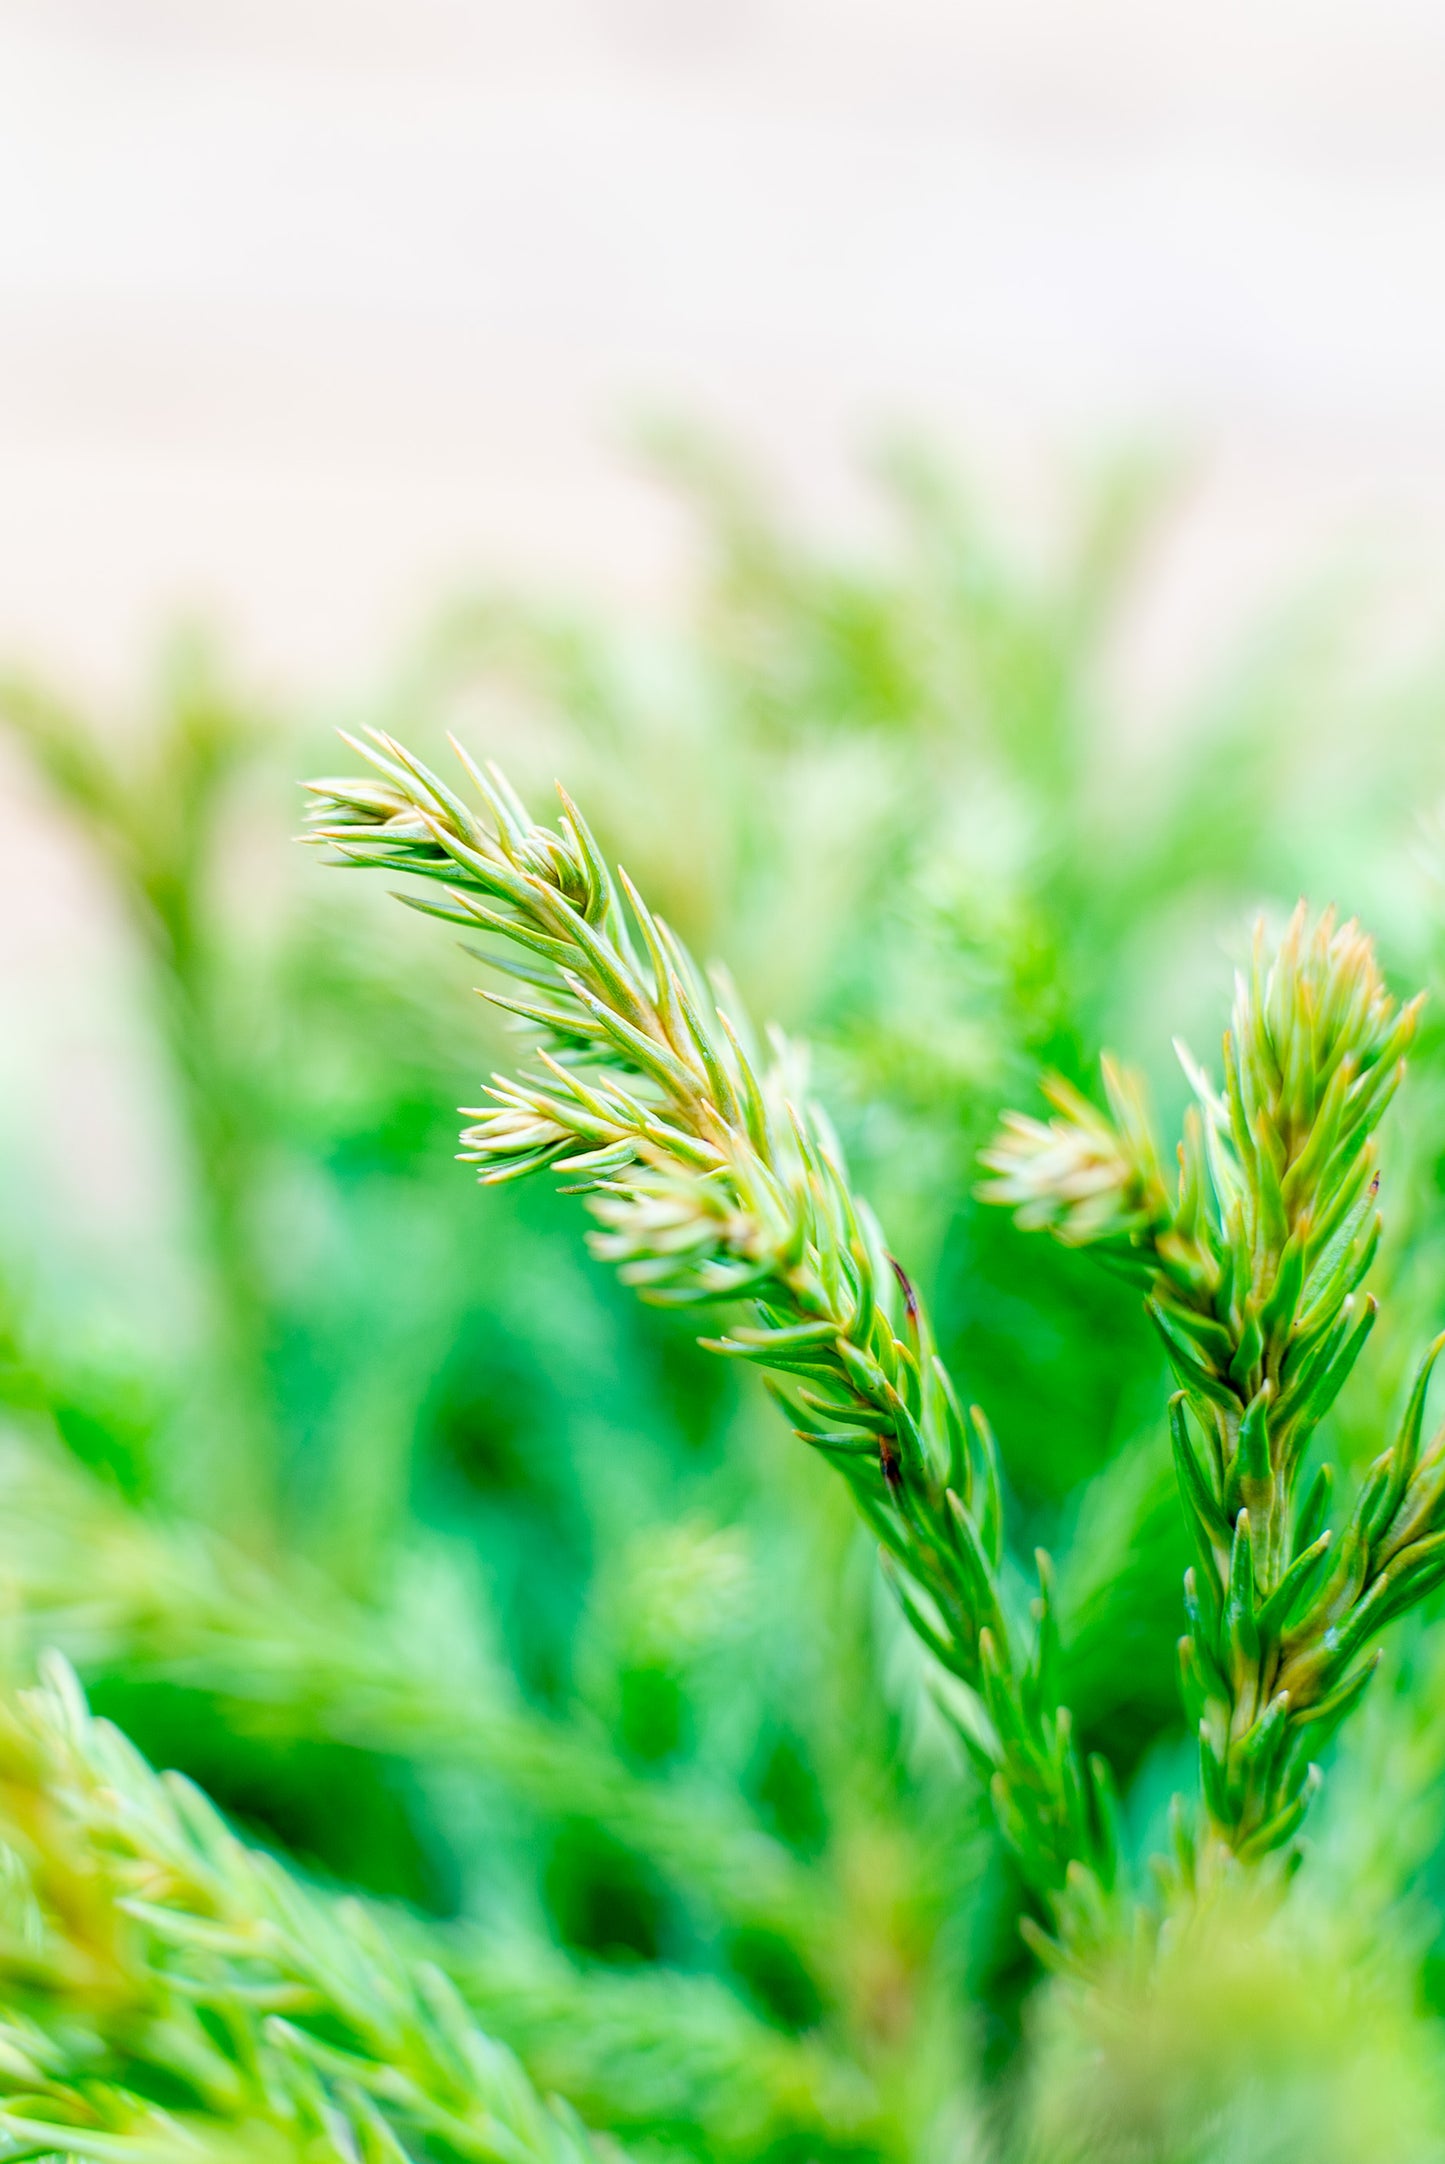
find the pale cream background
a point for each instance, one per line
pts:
(311, 307)
(311, 310)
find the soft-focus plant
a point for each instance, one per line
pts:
(455, 1574)
(172, 1993)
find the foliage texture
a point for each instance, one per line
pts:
(715, 1180)
(1253, 1267)
(172, 1992)
(454, 1574)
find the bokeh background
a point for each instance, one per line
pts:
(309, 309)
(314, 316)
(959, 493)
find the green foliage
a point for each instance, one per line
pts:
(454, 1573)
(169, 1987)
(714, 1180)
(1253, 1272)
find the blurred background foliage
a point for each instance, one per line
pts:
(460, 1579)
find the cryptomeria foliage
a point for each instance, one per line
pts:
(714, 1179)
(171, 1993)
(456, 1576)
(1253, 1266)
(301, 1661)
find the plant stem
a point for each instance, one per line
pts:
(1252, 1273)
(716, 1181)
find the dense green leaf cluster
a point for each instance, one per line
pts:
(1253, 1271)
(455, 1574)
(715, 1180)
(170, 1990)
